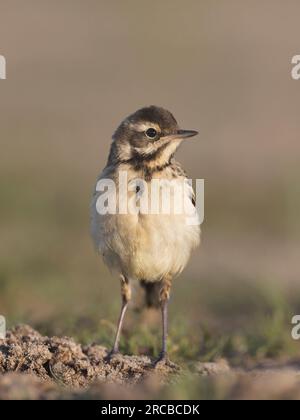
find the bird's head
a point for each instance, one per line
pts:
(150, 136)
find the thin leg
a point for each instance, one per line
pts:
(164, 299)
(126, 296)
(164, 311)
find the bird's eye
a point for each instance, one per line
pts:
(151, 133)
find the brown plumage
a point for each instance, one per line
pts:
(150, 248)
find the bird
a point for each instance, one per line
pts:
(143, 247)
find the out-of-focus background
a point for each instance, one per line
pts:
(74, 70)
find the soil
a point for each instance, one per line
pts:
(29, 359)
(33, 366)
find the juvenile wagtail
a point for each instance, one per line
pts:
(140, 246)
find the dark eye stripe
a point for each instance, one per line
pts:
(151, 133)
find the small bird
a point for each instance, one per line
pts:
(145, 247)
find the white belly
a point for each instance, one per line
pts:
(144, 246)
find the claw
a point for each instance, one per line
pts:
(164, 361)
(110, 355)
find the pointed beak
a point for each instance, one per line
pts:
(180, 135)
(184, 134)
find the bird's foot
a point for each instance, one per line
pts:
(111, 355)
(164, 361)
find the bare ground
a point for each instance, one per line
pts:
(41, 365)
(33, 366)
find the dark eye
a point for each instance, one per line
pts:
(151, 133)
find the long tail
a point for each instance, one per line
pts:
(152, 290)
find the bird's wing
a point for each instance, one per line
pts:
(179, 171)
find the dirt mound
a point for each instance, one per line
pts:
(33, 366)
(70, 364)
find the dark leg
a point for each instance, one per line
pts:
(126, 296)
(164, 299)
(164, 312)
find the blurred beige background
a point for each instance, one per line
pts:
(74, 70)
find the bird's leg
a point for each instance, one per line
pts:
(126, 296)
(164, 296)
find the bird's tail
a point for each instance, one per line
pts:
(151, 290)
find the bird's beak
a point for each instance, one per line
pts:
(180, 135)
(184, 134)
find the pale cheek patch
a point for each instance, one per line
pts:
(151, 147)
(163, 157)
(147, 150)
